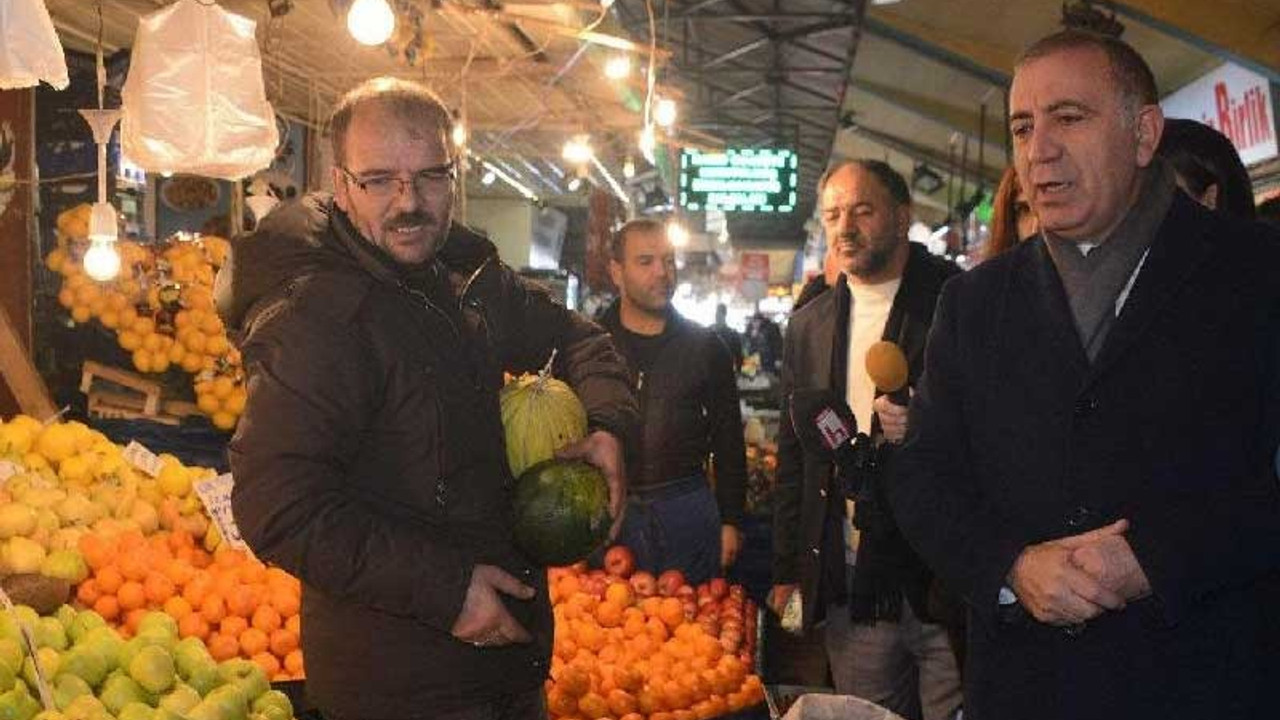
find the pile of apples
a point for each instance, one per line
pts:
(160, 307)
(92, 673)
(633, 646)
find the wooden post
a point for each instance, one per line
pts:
(19, 373)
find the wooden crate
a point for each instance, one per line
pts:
(119, 394)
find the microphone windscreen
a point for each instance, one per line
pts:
(887, 366)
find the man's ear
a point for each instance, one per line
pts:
(903, 214)
(341, 191)
(1149, 127)
(615, 273)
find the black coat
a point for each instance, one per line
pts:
(815, 342)
(1016, 439)
(689, 412)
(370, 461)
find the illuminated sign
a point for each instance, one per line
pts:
(739, 180)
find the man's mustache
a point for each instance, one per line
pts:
(407, 220)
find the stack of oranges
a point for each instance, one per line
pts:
(160, 307)
(621, 656)
(238, 606)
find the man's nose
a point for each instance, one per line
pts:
(406, 197)
(1042, 146)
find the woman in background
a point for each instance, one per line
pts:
(1011, 220)
(1207, 166)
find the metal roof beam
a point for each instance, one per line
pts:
(1195, 41)
(917, 152)
(939, 54)
(898, 103)
(759, 17)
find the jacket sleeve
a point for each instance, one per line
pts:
(958, 533)
(728, 447)
(786, 494)
(312, 387)
(585, 358)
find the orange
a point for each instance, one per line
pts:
(159, 588)
(253, 641)
(201, 559)
(222, 647)
(109, 580)
(293, 663)
(177, 607)
(97, 552)
(133, 619)
(294, 624)
(609, 614)
(179, 572)
(621, 702)
(213, 609)
(253, 572)
(133, 567)
(179, 539)
(132, 596)
(561, 703)
(283, 642)
(277, 578)
(671, 612)
(197, 588)
(620, 593)
(192, 625)
(225, 582)
(240, 601)
(266, 619)
(268, 662)
(130, 540)
(632, 716)
(233, 625)
(228, 557)
(108, 607)
(286, 602)
(575, 681)
(88, 592)
(592, 706)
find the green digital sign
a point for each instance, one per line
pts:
(762, 180)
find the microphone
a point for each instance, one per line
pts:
(826, 427)
(887, 367)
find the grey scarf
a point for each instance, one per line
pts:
(1093, 282)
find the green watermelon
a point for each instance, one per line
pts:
(561, 511)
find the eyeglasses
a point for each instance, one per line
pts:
(385, 187)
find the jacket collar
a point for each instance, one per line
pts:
(611, 319)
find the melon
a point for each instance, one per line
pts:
(561, 511)
(540, 415)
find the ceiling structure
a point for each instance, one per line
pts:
(919, 83)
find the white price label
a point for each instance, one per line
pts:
(215, 494)
(143, 459)
(7, 470)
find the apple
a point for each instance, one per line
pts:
(18, 703)
(120, 690)
(670, 582)
(181, 700)
(152, 668)
(85, 663)
(644, 584)
(719, 588)
(246, 676)
(619, 561)
(136, 711)
(274, 705)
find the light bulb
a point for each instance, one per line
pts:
(488, 178)
(648, 142)
(371, 22)
(578, 150)
(102, 261)
(628, 168)
(676, 233)
(664, 113)
(459, 134)
(618, 67)
(574, 184)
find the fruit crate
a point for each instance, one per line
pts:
(118, 394)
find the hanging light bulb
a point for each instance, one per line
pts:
(459, 134)
(488, 178)
(617, 67)
(648, 142)
(575, 184)
(578, 150)
(371, 22)
(664, 113)
(102, 260)
(676, 233)
(628, 168)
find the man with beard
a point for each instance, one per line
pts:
(1090, 455)
(684, 379)
(852, 569)
(369, 461)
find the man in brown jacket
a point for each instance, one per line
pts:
(369, 461)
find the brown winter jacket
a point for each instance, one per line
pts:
(370, 461)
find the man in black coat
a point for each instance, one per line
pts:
(1090, 455)
(852, 568)
(685, 383)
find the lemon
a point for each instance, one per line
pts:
(174, 480)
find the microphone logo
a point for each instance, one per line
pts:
(833, 430)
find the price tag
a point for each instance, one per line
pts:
(142, 458)
(7, 470)
(215, 494)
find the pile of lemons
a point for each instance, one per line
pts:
(160, 307)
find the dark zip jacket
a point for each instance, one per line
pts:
(370, 461)
(689, 411)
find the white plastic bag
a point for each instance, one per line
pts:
(837, 707)
(29, 47)
(194, 100)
